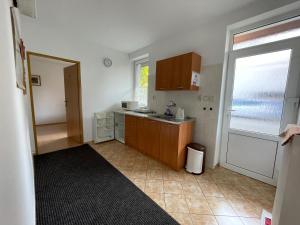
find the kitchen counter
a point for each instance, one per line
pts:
(156, 117)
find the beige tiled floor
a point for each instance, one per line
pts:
(218, 197)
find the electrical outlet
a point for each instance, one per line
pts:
(199, 98)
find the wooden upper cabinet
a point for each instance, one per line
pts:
(176, 73)
(164, 69)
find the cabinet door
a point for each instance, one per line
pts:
(186, 71)
(176, 76)
(169, 144)
(152, 138)
(130, 131)
(164, 74)
(141, 134)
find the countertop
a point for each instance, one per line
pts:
(152, 117)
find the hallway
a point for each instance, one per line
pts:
(53, 137)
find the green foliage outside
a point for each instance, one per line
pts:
(144, 73)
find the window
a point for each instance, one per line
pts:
(267, 34)
(257, 103)
(141, 82)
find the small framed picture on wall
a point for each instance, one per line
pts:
(36, 80)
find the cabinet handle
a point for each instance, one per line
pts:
(180, 87)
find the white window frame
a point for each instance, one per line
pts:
(144, 61)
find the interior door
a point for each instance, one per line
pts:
(262, 96)
(72, 98)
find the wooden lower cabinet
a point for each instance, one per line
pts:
(131, 131)
(152, 138)
(169, 144)
(141, 134)
(163, 141)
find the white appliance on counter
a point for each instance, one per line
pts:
(130, 105)
(104, 127)
(120, 127)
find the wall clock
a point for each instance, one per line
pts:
(107, 62)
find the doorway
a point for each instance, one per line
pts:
(55, 93)
(261, 98)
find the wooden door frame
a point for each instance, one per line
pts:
(29, 53)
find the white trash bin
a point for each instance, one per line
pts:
(195, 159)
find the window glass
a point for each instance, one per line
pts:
(258, 93)
(141, 82)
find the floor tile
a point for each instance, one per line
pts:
(154, 186)
(176, 203)
(250, 221)
(227, 220)
(182, 218)
(172, 175)
(203, 220)
(139, 174)
(155, 165)
(187, 177)
(172, 187)
(244, 208)
(229, 190)
(159, 198)
(210, 190)
(154, 174)
(220, 206)
(218, 194)
(204, 178)
(126, 172)
(198, 205)
(140, 183)
(190, 187)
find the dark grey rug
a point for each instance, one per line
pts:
(78, 186)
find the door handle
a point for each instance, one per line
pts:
(229, 111)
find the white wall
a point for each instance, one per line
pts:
(102, 88)
(49, 98)
(17, 202)
(207, 40)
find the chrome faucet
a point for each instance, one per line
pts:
(169, 110)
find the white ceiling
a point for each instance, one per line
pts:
(128, 25)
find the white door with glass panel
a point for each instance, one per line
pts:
(262, 97)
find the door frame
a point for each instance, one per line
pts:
(289, 93)
(283, 13)
(28, 54)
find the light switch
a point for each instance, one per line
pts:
(211, 98)
(206, 98)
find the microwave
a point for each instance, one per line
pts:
(130, 105)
